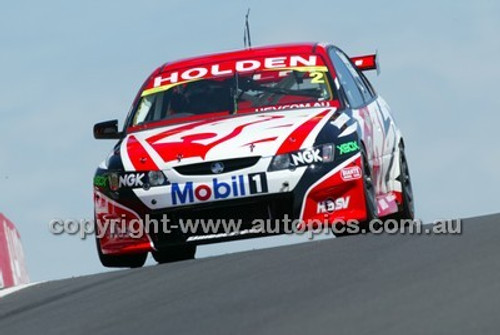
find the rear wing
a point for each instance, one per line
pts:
(366, 63)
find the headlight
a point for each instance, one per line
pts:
(319, 154)
(280, 162)
(156, 178)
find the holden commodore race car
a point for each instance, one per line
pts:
(291, 131)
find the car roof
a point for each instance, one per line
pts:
(269, 50)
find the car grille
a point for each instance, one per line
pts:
(206, 167)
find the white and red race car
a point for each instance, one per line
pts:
(292, 131)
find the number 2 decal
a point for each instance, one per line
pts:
(317, 77)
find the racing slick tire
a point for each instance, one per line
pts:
(370, 199)
(407, 208)
(174, 253)
(369, 188)
(121, 261)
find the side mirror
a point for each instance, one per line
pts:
(107, 130)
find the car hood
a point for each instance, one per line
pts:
(249, 135)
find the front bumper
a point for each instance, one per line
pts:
(319, 196)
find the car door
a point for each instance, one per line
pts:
(370, 112)
(384, 131)
(363, 108)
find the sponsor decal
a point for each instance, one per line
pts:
(331, 205)
(348, 147)
(351, 173)
(167, 80)
(306, 157)
(294, 106)
(101, 181)
(237, 186)
(131, 180)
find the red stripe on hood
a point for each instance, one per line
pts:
(298, 136)
(139, 157)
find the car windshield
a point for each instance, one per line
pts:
(235, 93)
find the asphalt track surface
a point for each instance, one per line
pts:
(368, 284)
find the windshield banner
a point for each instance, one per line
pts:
(168, 80)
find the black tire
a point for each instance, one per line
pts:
(407, 208)
(369, 188)
(121, 261)
(175, 253)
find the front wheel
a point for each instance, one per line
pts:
(174, 253)
(407, 207)
(369, 188)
